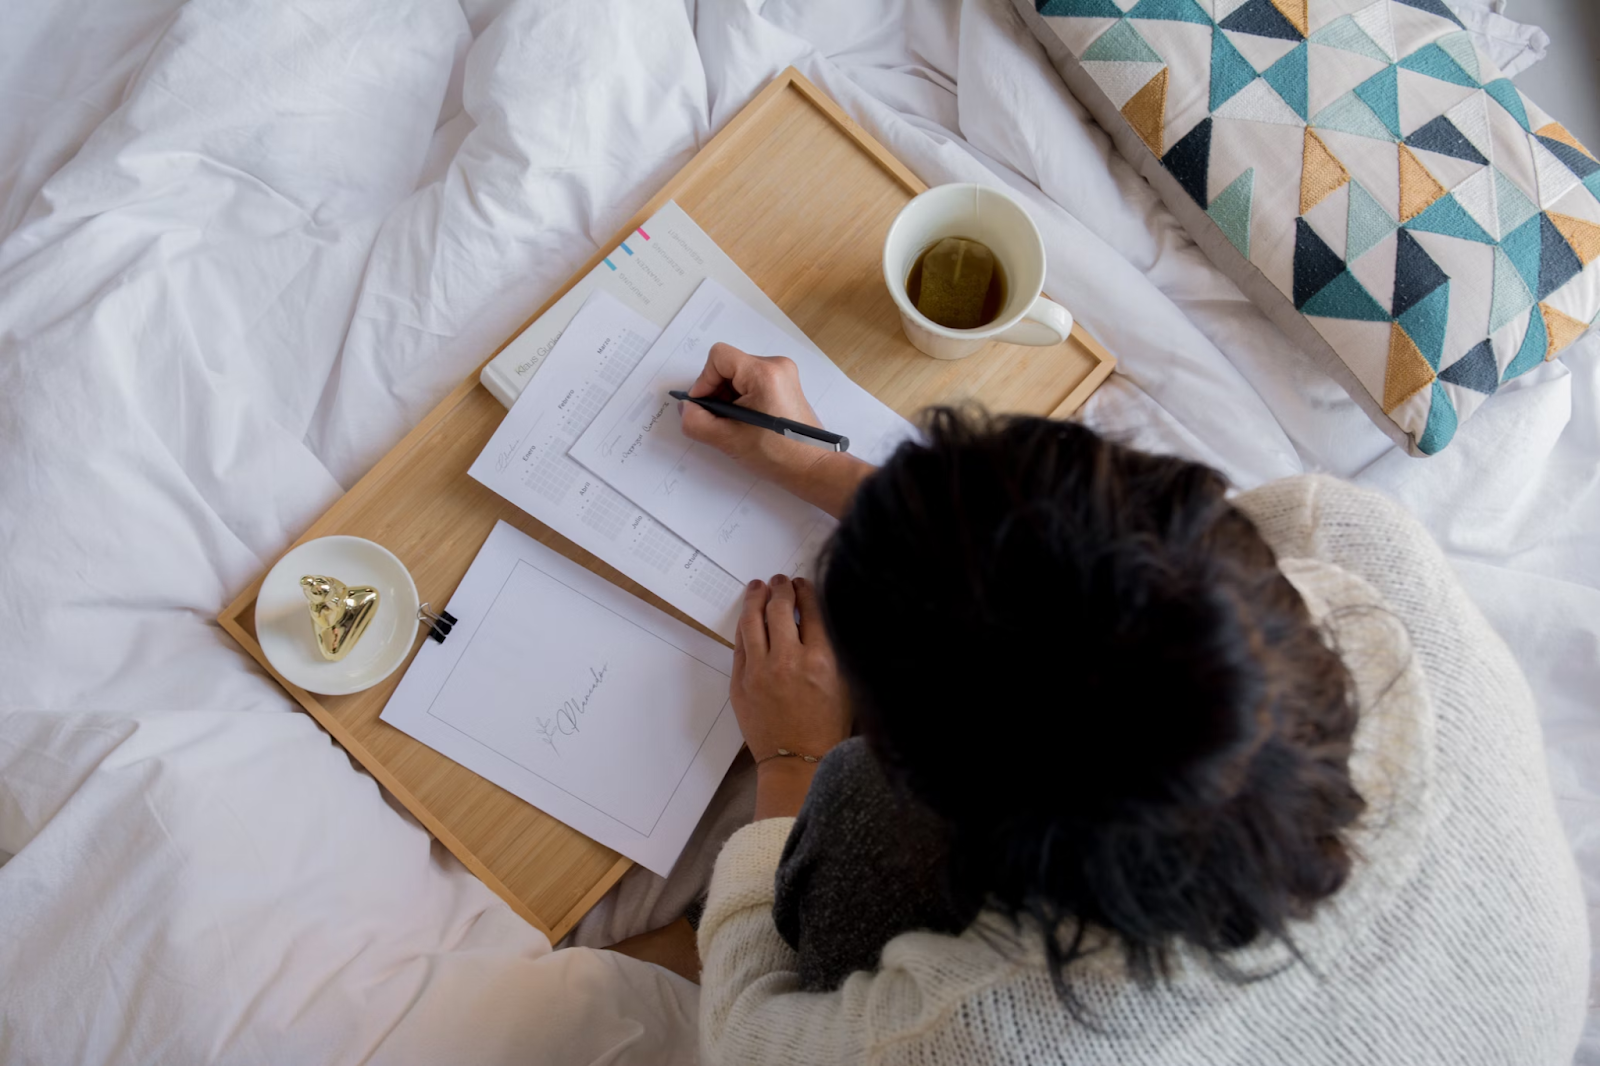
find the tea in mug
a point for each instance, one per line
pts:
(957, 283)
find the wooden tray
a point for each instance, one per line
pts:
(801, 198)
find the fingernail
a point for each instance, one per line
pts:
(753, 585)
(680, 407)
(778, 579)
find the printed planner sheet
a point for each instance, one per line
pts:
(750, 527)
(526, 462)
(585, 701)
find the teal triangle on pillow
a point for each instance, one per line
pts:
(1446, 216)
(1288, 77)
(1531, 354)
(1350, 114)
(1230, 71)
(1441, 423)
(1522, 246)
(1435, 62)
(1425, 321)
(1231, 211)
(1345, 297)
(1121, 43)
(1458, 46)
(1505, 94)
(1081, 9)
(1366, 224)
(1170, 11)
(1512, 205)
(1346, 35)
(1510, 296)
(1381, 92)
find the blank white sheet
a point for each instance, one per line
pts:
(749, 527)
(583, 700)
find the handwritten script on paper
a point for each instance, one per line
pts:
(578, 697)
(566, 721)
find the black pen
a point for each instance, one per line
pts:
(788, 427)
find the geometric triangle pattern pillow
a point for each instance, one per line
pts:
(1364, 174)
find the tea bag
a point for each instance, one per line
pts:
(955, 279)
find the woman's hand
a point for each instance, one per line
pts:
(771, 385)
(786, 690)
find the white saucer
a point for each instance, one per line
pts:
(283, 620)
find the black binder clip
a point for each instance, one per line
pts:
(439, 625)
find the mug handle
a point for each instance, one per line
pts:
(1046, 322)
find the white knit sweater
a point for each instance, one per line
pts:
(1459, 938)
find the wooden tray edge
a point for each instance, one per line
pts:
(381, 774)
(1093, 380)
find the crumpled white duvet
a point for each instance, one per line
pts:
(244, 246)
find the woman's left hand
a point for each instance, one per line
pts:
(786, 689)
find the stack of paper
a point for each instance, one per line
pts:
(560, 687)
(594, 449)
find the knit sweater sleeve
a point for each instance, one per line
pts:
(751, 1009)
(1366, 533)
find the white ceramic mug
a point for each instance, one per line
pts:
(981, 214)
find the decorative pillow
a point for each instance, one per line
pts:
(1366, 177)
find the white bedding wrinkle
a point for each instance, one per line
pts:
(244, 247)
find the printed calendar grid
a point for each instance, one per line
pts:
(657, 546)
(714, 584)
(607, 513)
(552, 474)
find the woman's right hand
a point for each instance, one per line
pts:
(770, 384)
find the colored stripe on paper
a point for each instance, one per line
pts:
(625, 248)
(609, 263)
(642, 233)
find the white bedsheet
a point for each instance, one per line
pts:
(243, 247)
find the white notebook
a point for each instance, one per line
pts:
(652, 273)
(585, 701)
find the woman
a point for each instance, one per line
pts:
(1146, 775)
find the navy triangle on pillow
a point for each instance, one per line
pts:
(1190, 161)
(1433, 7)
(1415, 274)
(1442, 136)
(1557, 262)
(1575, 160)
(1476, 370)
(1259, 18)
(1315, 264)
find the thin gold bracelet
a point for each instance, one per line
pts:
(786, 753)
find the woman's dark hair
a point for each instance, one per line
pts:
(1087, 661)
